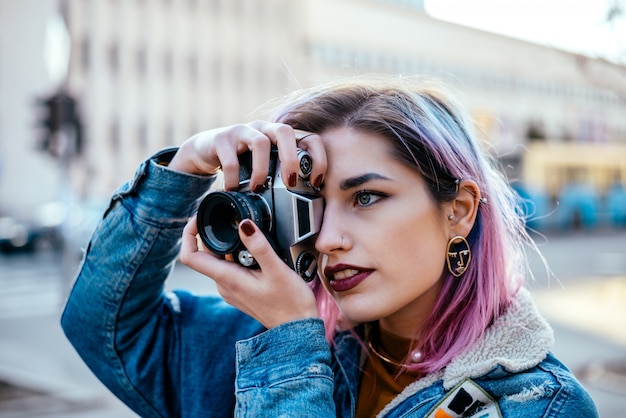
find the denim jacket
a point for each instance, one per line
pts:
(179, 354)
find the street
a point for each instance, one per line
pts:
(41, 375)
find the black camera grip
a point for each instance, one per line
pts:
(245, 164)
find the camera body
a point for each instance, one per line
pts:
(290, 218)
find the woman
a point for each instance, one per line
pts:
(418, 309)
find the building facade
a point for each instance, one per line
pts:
(27, 176)
(149, 73)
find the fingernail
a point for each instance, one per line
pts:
(246, 227)
(318, 181)
(293, 177)
(258, 188)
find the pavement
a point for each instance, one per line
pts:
(41, 375)
(590, 336)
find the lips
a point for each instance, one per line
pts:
(342, 277)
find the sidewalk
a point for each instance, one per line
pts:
(588, 319)
(597, 306)
(46, 376)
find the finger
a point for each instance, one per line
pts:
(189, 242)
(231, 142)
(261, 149)
(257, 244)
(312, 143)
(191, 254)
(227, 154)
(203, 262)
(283, 136)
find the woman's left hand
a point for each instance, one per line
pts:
(273, 294)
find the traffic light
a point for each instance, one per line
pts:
(59, 113)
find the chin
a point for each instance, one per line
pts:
(360, 314)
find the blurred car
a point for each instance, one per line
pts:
(579, 206)
(616, 205)
(534, 206)
(54, 225)
(17, 235)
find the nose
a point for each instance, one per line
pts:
(331, 236)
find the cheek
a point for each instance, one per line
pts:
(421, 248)
(423, 258)
(322, 261)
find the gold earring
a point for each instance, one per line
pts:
(458, 255)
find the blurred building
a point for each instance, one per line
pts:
(149, 73)
(27, 176)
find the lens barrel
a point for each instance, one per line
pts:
(219, 216)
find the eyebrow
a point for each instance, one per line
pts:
(353, 182)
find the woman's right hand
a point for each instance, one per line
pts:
(215, 150)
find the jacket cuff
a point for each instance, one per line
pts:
(288, 350)
(159, 192)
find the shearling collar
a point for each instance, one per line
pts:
(518, 340)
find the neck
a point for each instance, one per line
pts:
(402, 326)
(407, 321)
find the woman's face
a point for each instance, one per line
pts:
(390, 263)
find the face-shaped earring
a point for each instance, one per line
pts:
(458, 255)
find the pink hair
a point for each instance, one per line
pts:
(429, 134)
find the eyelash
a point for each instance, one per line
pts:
(357, 195)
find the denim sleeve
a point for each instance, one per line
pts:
(285, 372)
(114, 315)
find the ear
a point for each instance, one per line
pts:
(461, 212)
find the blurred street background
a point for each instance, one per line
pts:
(89, 89)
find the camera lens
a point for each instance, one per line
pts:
(219, 215)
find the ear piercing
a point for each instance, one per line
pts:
(481, 199)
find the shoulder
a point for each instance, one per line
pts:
(571, 398)
(548, 390)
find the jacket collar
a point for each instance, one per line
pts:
(518, 340)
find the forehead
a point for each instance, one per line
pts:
(349, 146)
(353, 155)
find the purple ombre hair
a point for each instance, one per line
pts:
(429, 133)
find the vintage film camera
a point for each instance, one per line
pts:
(289, 218)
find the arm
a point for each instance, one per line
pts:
(113, 316)
(135, 339)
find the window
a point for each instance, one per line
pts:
(114, 58)
(192, 64)
(85, 51)
(142, 61)
(142, 137)
(168, 64)
(114, 137)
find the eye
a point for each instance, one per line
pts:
(364, 198)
